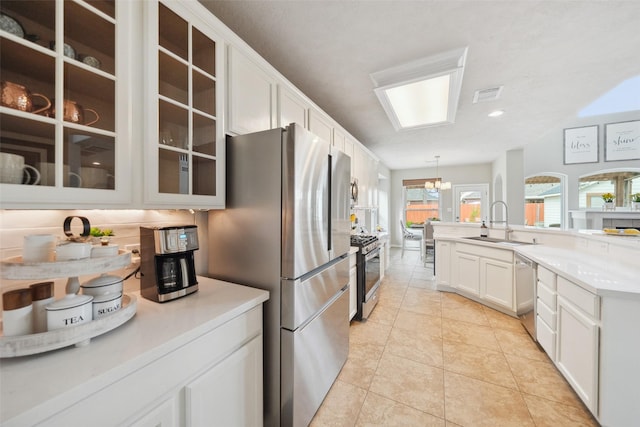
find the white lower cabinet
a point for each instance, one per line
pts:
(467, 277)
(353, 286)
(577, 342)
(483, 272)
(443, 264)
(546, 311)
(164, 415)
(383, 254)
(226, 394)
(214, 379)
(496, 282)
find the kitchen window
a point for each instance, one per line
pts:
(421, 204)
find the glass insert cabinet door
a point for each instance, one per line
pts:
(58, 111)
(186, 134)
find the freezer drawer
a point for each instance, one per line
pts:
(312, 357)
(303, 298)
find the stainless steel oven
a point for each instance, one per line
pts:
(371, 281)
(368, 272)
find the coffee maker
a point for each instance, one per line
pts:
(167, 269)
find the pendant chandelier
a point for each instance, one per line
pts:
(437, 184)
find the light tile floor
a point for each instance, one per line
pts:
(429, 358)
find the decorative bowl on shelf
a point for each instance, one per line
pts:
(11, 25)
(91, 61)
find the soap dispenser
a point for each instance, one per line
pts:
(484, 230)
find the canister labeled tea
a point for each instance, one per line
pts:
(72, 310)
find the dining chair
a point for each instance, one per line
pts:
(429, 243)
(409, 236)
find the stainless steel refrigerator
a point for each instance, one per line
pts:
(286, 229)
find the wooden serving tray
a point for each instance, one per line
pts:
(80, 335)
(16, 269)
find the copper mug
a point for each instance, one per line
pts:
(20, 98)
(74, 113)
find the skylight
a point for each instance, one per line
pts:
(424, 92)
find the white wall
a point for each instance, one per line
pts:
(384, 194)
(547, 155)
(457, 175)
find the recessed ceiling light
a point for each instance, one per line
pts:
(496, 113)
(424, 92)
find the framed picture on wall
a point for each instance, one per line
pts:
(581, 145)
(622, 141)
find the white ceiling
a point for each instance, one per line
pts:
(553, 58)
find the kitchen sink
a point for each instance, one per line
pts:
(497, 241)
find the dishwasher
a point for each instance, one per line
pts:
(526, 293)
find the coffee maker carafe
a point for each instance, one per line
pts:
(167, 269)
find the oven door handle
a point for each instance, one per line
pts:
(372, 254)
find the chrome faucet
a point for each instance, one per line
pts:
(507, 230)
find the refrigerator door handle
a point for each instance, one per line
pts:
(329, 197)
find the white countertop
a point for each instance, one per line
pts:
(67, 374)
(599, 275)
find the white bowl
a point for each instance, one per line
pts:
(104, 305)
(102, 285)
(72, 251)
(72, 310)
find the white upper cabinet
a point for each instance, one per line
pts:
(320, 125)
(251, 96)
(292, 108)
(66, 104)
(338, 140)
(184, 140)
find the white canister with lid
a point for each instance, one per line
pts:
(17, 318)
(102, 285)
(72, 310)
(104, 305)
(41, 296)
(70, 251)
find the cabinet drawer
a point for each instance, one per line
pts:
(546, 338)
(547, 277)
(546, 295)
(505, 255)
(581, 298)
(547, 314)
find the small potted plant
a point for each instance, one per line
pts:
(635, 202)
(608, 201)
(103, 235)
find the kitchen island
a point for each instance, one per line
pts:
(586, 302)
(156, 368)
